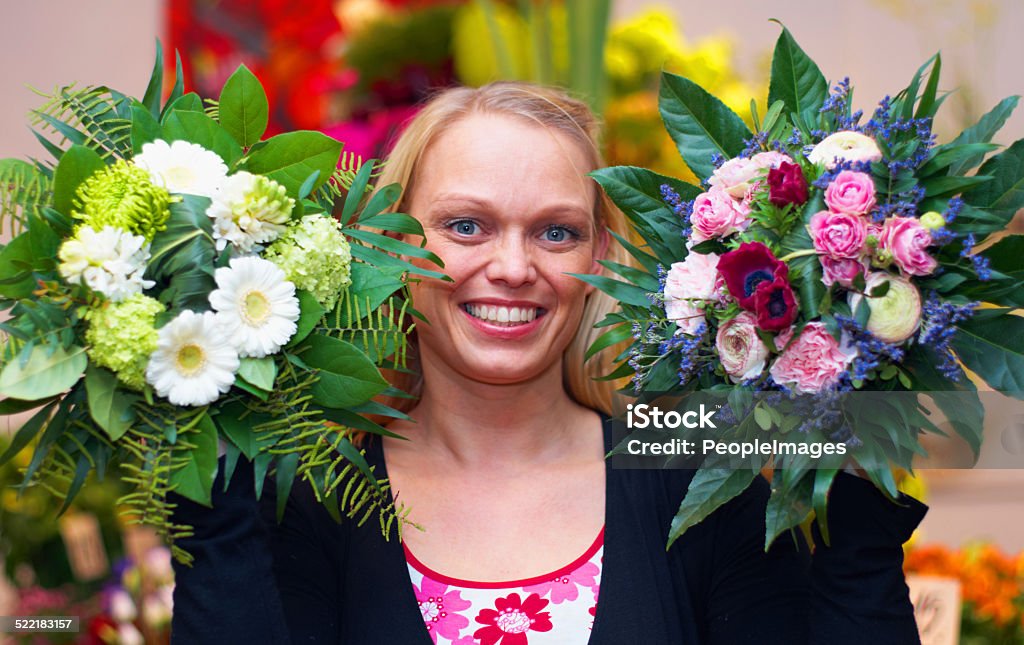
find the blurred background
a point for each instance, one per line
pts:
(356, 69)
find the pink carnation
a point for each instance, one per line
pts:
(838, 235)
(851, 192)
(813, 362)
(716, 214)
(905, 242)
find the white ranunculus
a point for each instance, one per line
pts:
(896, 315)
(845, 145)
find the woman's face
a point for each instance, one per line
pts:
(506, 205)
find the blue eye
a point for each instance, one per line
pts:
(559, 234)
(464, 227)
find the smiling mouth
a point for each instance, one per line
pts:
(504, 316)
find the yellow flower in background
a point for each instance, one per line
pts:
(476, 61)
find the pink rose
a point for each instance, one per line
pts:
(813, 362)
(687, 286)
(734, 176)
(716, 214)
(851, 192)
(838, 235)
(741, 351)
(842, 271)
(771, 159)
(904, 241)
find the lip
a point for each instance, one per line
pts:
(497, 331)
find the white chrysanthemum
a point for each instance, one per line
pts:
(256, 305)
(194, 362)
(249, 210)
(110, 261)
(182, 167)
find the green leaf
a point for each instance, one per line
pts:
(27, 432)
(310, 314)
(347, 376)
(13, 257)
(190, 102)
(398, 247)
(394, 222)
(194, 479)
(357, 422)
(178, 89)
(145, 127)
(1004, 195)
(198, 128)
(787, 507)
(796, 79)
(982, 132)
(76, 165)
(258, 371)
(709, 489)
(993, 348)
(14, 406)
(371, 287)
(823, 478)
(638, 277)
(380, 200)
(952, 155)
(699, 123)
(618, 290)
(611, 337)
(151, 99)
(926, 107)
(291, 158)
(237, 426)
(959, 401)
(109, 406)
(357, 191)
(285, 476)
(183, 254)
(49, 371)
(244, 111)
(947, 186)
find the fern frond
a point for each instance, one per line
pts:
(24, 189)
(340, 181)
(92, 113)
(380, 333)
(212, 108)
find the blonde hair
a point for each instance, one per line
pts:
(550, 108)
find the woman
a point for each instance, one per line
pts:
(530, 538)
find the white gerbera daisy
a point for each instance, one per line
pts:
(110, 261)
(182, 167)
(249, 210)
(194, 362)
(256, 305)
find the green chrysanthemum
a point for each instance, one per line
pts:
(121, 336)
(123, 196)
(314, 255)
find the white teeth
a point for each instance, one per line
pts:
(502, 315)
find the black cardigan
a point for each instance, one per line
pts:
(311, 580)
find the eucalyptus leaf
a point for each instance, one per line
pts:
(49, 371)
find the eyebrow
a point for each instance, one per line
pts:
(449, 204)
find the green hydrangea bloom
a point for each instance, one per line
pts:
(123, 196)
(121, 336)
(315, 256)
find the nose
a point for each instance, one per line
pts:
(511, 262)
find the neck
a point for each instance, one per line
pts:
(489, 426)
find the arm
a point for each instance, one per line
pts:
(860, 594)
(252, 580)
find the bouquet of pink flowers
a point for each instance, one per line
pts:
(823, 254)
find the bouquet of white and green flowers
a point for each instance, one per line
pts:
(174, 280)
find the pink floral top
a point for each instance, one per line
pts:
(553, 609)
